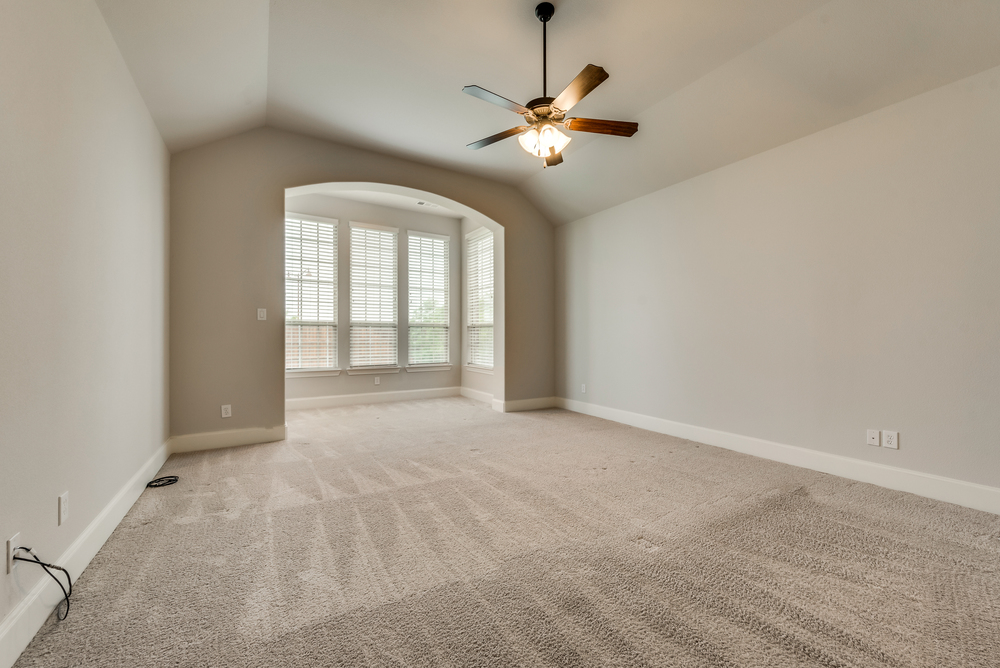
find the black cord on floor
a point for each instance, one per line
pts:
(35, 560)
(163, 482)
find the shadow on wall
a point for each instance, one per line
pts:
(397, 207)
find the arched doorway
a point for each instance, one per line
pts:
(349, 215)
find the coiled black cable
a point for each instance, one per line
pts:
(163, 482)
(35, 560)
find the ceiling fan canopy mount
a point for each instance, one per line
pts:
(544, 11)
(540, 136)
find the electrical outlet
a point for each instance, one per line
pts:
(890, 439)
(262, 314)
(377, 381)
(583, 388)
(12, 542)
(227, 410)
(873, 437)
(63, 508)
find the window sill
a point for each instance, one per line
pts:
(372, 370)
(310, 373)
(479, 369)
(419, 368)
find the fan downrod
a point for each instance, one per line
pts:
(544, 12)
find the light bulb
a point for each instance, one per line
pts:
(540, 138)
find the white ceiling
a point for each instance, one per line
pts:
(710, 81)
(388, 199)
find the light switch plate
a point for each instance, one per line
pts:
(262, 314)
(873, 437)
(890, 439)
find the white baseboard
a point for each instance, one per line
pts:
(476, 395)
(23, 622)
(211, 440)
(517, 405)
(485, 397)
(512, 406)
(968, 494)
(370, 398)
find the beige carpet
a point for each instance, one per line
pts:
(440, 533)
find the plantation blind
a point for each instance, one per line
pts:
(479, 247)
(373, 295)
(310, 293)
(429, 278)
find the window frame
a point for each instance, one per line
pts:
(335, 323)
(368, 368)
(428, 366)
(470, 238)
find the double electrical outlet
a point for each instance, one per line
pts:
(884, 438)
(14, 541)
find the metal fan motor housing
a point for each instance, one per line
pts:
(541, 108)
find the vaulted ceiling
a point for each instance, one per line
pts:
(709, 81)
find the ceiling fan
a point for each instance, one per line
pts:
(540, 137)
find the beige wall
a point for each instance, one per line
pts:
(227, 203)
(846, 281)
(346, 211)
(83, 242)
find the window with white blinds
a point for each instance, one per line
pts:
(429, 278)
(479, 251)
(373, 296)
(310, 293)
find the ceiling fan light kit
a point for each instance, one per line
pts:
(541, 136)
(543, 140)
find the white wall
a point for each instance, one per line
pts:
(846, 281)
(345, 211)
(83, 226)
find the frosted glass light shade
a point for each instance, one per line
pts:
(539, 139)
(529, 141)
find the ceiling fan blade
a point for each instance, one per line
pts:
(483, 94)
(590, 78)
(497, 137)
(617, 128)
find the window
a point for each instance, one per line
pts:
(310, 293)
(373, 295)
(480, 290)
(429, 278)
